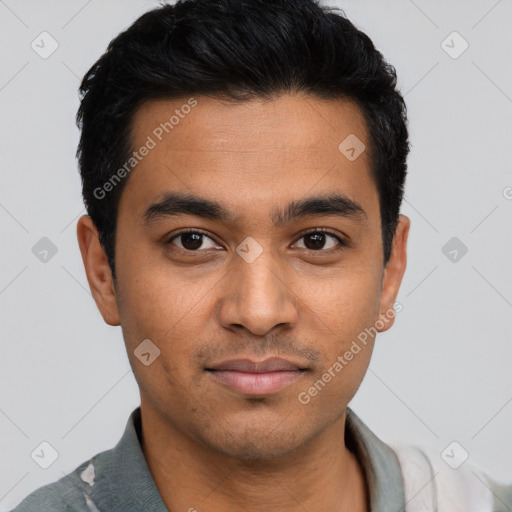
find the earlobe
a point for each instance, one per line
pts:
(394, 273)
(97, 270)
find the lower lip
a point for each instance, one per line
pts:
(256, 383)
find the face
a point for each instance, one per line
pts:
(278, 255)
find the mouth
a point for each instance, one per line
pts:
(252, 378)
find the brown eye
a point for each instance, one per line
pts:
(317, 240)
(191, 241)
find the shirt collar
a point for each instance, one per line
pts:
(380, 465)
(122, 477)
(123, 480)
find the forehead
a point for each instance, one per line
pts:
(250, 152)
(300, 121)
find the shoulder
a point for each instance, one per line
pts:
(110, 480)
(502, 497)
(68, 494)
(449, 482)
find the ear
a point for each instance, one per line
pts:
(393, 273)
(98, 272)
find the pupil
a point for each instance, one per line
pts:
(192, 239)
(319, 240)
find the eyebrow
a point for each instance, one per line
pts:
(172, 204)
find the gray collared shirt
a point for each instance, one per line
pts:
(119, 480)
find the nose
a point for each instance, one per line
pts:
(258, 296)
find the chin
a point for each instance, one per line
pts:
(252, 444)
(250, 451)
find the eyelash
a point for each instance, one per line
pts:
(341, 242)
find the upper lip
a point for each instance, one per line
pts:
(272, 364)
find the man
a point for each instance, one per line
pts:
(243, 165)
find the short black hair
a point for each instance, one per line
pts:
(240, 50)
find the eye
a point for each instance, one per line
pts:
(317, 239)
(191, 240)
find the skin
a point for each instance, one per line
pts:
(208, 447)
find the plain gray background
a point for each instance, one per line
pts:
(441, 374)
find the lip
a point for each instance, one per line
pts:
(272, 364)
(253, 378)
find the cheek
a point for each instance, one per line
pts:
(348, 299)
(149, 292)
(345, 313)
(158, 303)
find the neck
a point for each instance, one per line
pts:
(323, 475)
